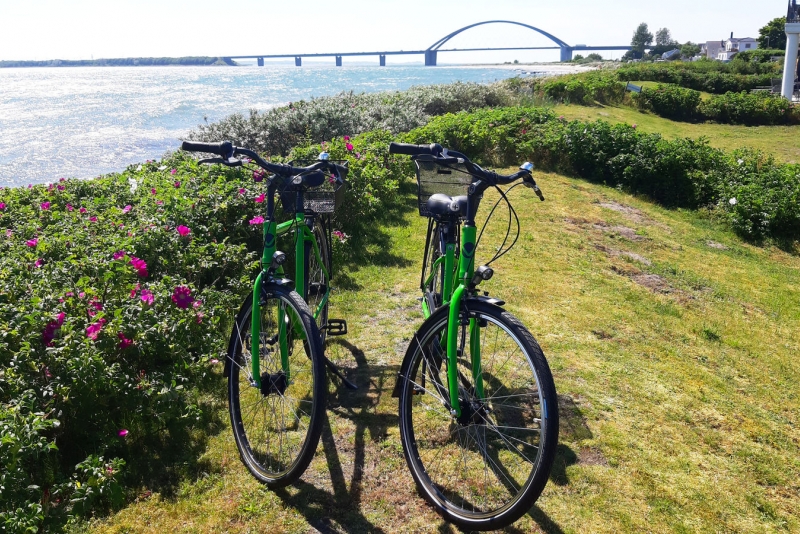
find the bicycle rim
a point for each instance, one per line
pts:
(485, 469)
(317, 279)
(277, 426)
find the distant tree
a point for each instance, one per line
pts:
(594, 57)
(664, 37)
(773, 35)
(642, 38)
(664, 42)
(689, 49)
(577, 57)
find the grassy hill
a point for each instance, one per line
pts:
(673, 346)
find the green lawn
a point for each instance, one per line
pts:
(673, 346)
(783, 141)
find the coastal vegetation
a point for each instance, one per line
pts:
(116, 298)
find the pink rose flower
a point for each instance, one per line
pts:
(122, 433)
(257, 220)
(123, 341)
(139, 265)
(32, 242)
(69, 207)
(93, 329)
(45, 206)
(260, 198)
(349, 147)
(147, 297)
(177, 184)
(82, 210)
(2, 206)
(183, 230)
(93, 219)
(127, 208)
(182, 297)
(119, 254)
(153, 191)
(173, 171)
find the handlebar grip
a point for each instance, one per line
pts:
(434, 149)
(224, 148)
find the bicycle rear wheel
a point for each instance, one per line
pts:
(433, 274)
(317, 271)
(277, 426)
(486, 468)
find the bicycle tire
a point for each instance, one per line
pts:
(277, 432)
(432, 291)
(317, 281)
(485, 469)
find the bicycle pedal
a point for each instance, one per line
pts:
(336, 327)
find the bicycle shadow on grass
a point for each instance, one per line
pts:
(338, 510)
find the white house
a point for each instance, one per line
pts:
(711, 49)
(735, 45)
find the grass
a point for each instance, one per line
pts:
(673, 346)
(782, 141)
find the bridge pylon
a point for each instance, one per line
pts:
(566, 53)
(430, 58)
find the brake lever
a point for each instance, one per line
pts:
(230, 162)
(530, 182)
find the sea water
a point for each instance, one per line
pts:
(86, 121)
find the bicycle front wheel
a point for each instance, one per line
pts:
(277, 425)
(484, 469)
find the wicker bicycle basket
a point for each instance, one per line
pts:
(452, 180)
(323, 199)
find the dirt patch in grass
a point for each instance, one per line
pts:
(624, 253)
(628, 211)
(718, 246)
(591, 456)
(615, 231)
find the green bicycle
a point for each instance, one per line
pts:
(478, 407)
(275, 362)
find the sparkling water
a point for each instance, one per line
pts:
(86, 121)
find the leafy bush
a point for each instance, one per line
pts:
(110, 320)
(670, 101)
(583, 88)
(275, 132)
(759, 55)
(750, 108)
(702, 77)
(681, 173)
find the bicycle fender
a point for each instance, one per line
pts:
(487, 299)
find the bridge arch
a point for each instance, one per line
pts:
(438, 44)
(430, 52)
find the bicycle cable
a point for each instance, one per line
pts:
(511, 212)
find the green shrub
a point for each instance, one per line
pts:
(276, 131)
(759, 55)
(681, 173)
(584, 88)
(750, 108)
(702, 77)
(669, 101)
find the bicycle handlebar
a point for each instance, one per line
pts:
(434, 149)
(444, 156)
(227, 151)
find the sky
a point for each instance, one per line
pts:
(86, 29)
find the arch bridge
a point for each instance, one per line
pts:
(432, 51)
